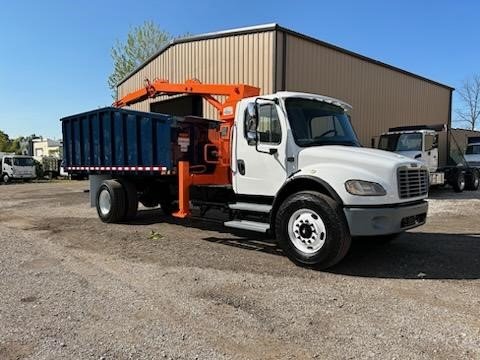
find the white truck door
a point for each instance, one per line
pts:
(255, 170)
(7, 166)
(431, 152)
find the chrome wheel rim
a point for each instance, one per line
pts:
(307, 231)
(104, 202)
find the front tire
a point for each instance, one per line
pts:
(312, 230)
(5, 178)
(111, 201)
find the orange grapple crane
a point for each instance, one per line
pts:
(220, 138)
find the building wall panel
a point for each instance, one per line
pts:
(246, 58)
(381, 97)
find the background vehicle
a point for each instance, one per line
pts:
(286, 163)
(472, 153)
(17, 167)
(432, 145)
(51, 166)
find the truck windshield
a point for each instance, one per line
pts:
(401, 142)
(23, 161)
(473, 149)
(316, 123)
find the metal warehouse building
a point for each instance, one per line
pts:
(275, 58)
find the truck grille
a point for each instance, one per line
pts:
(412, 182)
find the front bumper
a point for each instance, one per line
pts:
(372, 221)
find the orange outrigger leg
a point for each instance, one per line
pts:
(219, 138)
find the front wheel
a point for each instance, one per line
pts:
(312, 230)
(5, 178)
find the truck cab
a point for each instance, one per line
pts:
(472, 154)
(290, 143)
(17, 167)
(422, 143)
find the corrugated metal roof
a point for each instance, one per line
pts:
(275, 27)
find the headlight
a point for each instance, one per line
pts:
(364, 188)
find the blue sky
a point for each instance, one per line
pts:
(55, 55)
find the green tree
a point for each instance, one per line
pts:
(142, 42)
(5, 142)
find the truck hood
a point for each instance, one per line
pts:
(337, 164)
(357, 156)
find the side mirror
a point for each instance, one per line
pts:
(252, 110)
(252, 135)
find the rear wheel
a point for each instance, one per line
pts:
(458, 183)
(312, 230)
(131, 199)
(111, 201)
(473, 180)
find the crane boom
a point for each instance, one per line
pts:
(219, 137)
(226, 109)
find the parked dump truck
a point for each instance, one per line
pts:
(435, 146)
(17, 167)
(288, 164)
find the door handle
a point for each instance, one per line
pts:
(241, 167)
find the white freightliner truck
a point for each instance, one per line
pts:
(432, 146)
(17, 167)
(295, 169)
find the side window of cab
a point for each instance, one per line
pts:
(431, 142)
(269, 128)
(7, 161)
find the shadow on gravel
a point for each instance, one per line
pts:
(450, 194)
(413, 255)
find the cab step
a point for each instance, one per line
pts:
(243, 206)
(248, 225)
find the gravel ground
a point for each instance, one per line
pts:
(74, 288)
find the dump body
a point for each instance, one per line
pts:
(113, 140)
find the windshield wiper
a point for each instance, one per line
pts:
(332, 142)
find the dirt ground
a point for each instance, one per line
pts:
(72, 287)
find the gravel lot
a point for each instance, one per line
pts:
(74, 288)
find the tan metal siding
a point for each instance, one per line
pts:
(234, 59)
(381, 97)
